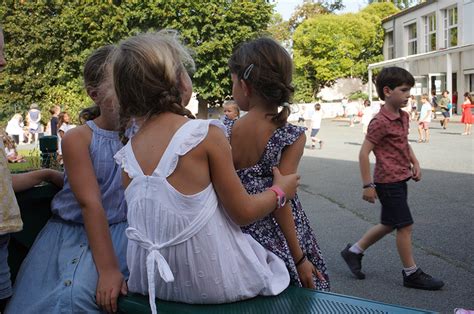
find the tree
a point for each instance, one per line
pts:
(310, 9)
(279, 29)
(47, 43)
(335, 46)
(400, 4)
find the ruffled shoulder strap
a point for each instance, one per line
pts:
(282, 137)
(188, 136)
(288, 134)
(127, 161)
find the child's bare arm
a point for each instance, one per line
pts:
(289, 162)
(369, 193)
(242, 208)
(25, 181)
(84, 185)
(415, 169)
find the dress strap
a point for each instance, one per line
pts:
(155, 257)
(188, 136)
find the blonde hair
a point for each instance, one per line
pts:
(234, 105)
(147, 71)
(425, 97)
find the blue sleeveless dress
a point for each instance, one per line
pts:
(59, 274)
(266, 231)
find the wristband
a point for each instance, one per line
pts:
(369, 185)
(302, 259)
(280, 194)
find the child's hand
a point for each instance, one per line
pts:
(288, 183)
(369, 194)
(306, 271)
(109, 286)
(55, 177)
(416, 172)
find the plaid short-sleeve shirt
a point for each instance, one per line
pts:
(389, 134)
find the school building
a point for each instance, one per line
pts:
(435, 42)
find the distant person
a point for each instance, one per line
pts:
(301, 115)
(445, 105)
(424, 120)
(15, 128)
(10, 150)
(231, 110)
(395, 164)
(367, 115)
(64, 126)
(344, 106)
(53, 122)
(467, 114)
(34, 123)
(413, 107)
(434, 103)
(351, 111)
(316, 125)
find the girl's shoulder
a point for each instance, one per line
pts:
(288, 134)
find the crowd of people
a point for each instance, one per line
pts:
(156, 202)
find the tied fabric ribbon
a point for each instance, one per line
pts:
(154, 256)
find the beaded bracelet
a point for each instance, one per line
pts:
(302, 259)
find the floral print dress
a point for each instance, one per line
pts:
(266, 231)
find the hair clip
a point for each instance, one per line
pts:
(247, 71)
(285, 104)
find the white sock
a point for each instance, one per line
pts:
(410, 270)
(356, 249)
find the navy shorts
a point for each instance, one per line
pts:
(446, 114)
(395, 210)
(5, 283)
(314, 132)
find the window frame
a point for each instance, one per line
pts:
(450, 22)
(412, 43)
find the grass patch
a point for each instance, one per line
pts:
(33, 161)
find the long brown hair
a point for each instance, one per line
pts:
(146, 72)
(468, 95)
(267, 67)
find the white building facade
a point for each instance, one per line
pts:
(435, 42)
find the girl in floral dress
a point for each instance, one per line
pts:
(261, 75)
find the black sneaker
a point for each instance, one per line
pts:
(354, 261)
(421, 280)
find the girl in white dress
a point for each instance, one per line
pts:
(184, 199)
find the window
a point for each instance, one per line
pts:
(451, 27)
(430, 32)
(390, 46)
(412, 39)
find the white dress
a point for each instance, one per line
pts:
(200, 254)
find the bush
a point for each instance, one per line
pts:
(358, 95)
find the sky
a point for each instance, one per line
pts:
(286, 7)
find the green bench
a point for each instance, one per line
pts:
(35, 209)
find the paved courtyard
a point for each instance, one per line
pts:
(442, 205)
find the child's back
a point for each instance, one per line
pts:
(179, 178)
(187, 225)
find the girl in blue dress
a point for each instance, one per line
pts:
(261, 75)
(77, 263)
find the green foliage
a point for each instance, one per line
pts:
(358, 95)
(335, 46)
(399, 4)
(47, 43)
(381, 9)
(279, 29)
